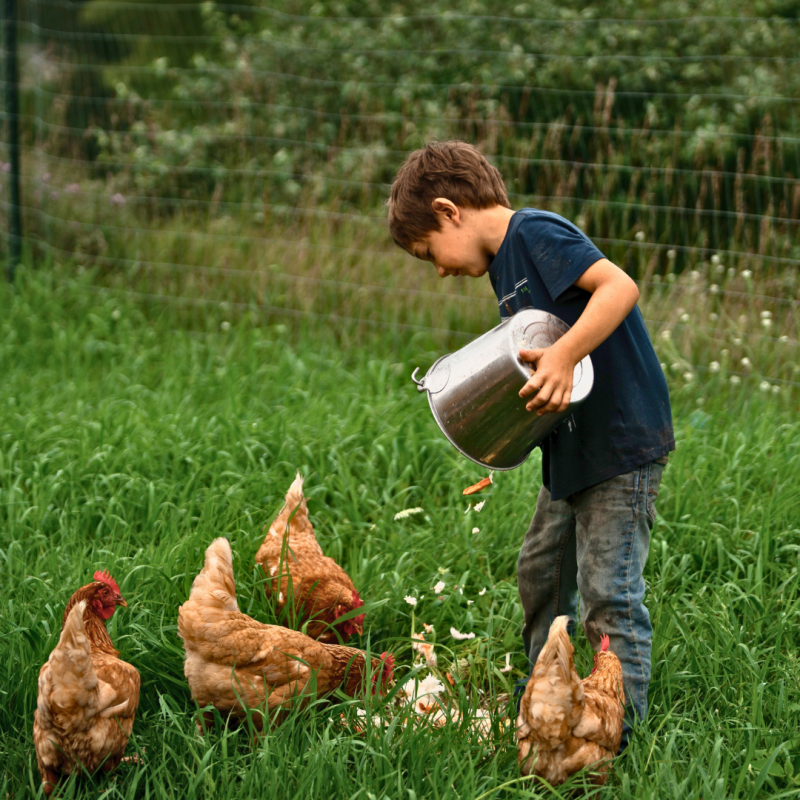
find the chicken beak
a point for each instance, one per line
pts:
(359, 628)
(120, 601)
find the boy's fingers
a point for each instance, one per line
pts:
(541, 398)
(533, 386)
(531, 356)
(553, 403)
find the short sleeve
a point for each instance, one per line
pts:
(560, 251)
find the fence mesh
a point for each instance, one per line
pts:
(199, 152)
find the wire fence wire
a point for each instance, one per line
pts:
(199, 152)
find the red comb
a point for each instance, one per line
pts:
(105, 577)
(604, 642)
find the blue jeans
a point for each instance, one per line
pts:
(595, 543)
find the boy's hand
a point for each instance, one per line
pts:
(551, 386)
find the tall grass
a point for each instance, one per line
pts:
(132, 434)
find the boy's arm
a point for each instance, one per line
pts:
(614, 294)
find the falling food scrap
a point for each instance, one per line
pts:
(461, 636)
(477, 487)
(479, 506)
(507, 667)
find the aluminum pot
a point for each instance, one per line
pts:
(474, 392)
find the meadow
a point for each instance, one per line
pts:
(133, 431)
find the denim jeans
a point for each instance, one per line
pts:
(595, 543)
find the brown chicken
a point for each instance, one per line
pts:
(87, 695)
(319, 590)
(234, 661)
(566, 724)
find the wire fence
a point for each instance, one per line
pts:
(198, 152)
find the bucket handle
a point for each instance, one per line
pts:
(420, 384)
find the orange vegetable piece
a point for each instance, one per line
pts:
(477, 487)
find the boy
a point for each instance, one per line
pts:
(590, 532)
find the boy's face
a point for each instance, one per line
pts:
(456, 248)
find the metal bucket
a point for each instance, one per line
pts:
(474, 392)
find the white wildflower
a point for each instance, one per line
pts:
(439, 588)
(666, 334)
(663, 366)
(695, 275)
(783, 339)
(746, 363)
(731, 272)
(412, 601)
(476, 530)
(764, 386)
(725, 353)
(225, 325)
(715, 260)
(766, 324)
(742, 319)
(701, 401)
(737, 340)
(407, 512)
(671, 255)
(735, 380)
(116, 314)
(688, 377)
(670, 277)
(713, 316)
(714, 289)
(766, 315)
(675, 366)
(747, 274)
(776, 389)
(639, 236)
(461, 636)
(480, 505)
(685, 317)
(714, 366)
(482, 592)
(507, 667)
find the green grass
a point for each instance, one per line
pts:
(131, 435)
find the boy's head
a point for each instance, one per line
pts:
(438, 184)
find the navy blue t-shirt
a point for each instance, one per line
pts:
(626, 420)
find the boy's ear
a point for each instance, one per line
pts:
(446, 210)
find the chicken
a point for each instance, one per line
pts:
(87, 696)
(234, 661)
(297, 570)
(566, 724)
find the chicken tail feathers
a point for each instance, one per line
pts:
(295, 497)
(558, 649)
(215, 585)
(71, 672)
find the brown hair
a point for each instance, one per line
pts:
(455, 170)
